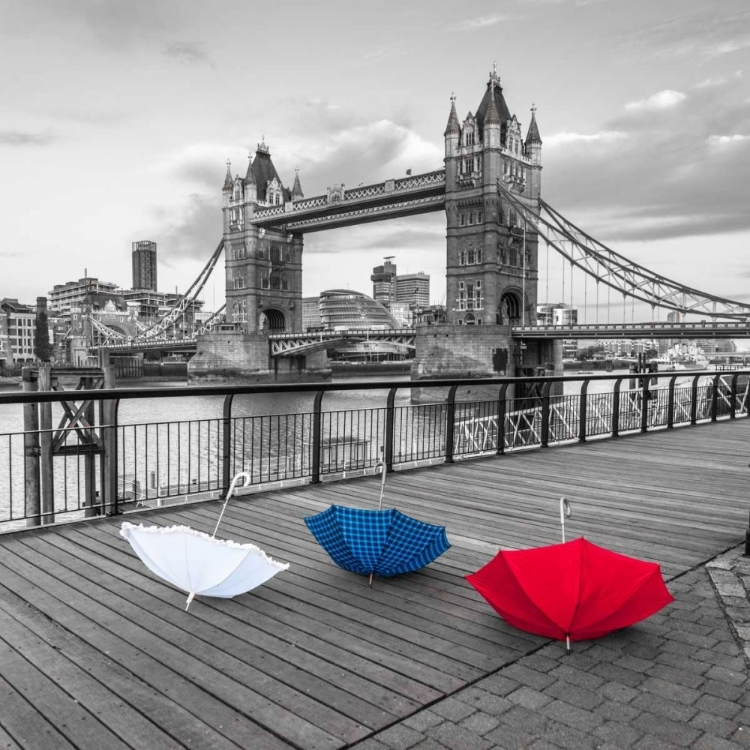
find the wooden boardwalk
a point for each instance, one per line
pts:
(98, 653)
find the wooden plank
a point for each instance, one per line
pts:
(285, 712)
(154, 705)
(91, 623)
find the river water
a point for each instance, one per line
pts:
(173, 446)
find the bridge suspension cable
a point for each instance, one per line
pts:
(616, 271)
(178, 311)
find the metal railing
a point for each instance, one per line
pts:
(101, 466)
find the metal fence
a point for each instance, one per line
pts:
(98, 466)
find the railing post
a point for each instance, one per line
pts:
(645, 396)
(389, 429)
(502, 407)
(715, 398)
(46, 455)
(450, 426)
(316, 434)
(670, 402)
(584, 411)
(228, 452)
(733, 396)
(33, 506)
(694, 400)
(616, 409)
(111, 410)
(545, 414)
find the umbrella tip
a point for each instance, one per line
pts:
(189, 599)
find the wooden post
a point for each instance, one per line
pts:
(32, 509)
(108, 430)
(450, 425)
(47, 465)
(544, 438)
(582, 424)
(389, 429)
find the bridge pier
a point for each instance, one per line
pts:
(483, 351)
(232, 356)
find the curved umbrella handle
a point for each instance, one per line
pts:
(565, 510)
(232, 487)
(381, 464)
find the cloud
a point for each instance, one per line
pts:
(480, 22)
(188, 53)
(188, 231)
(565, 138)
(705, 34)
(342, 153)
(661, 100)
(17, 138)
(671, 171)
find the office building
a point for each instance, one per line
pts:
(144, 265)
(384, 282)
(413, 288)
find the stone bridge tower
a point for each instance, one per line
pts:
(263, 266)
(492, 269)
(491, 261)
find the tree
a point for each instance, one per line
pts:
(42, 347)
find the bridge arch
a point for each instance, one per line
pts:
(272, 320)
(510, 308)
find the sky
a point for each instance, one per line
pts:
(117, 118)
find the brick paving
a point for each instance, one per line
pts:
(676, 680)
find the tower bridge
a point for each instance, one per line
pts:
(490, 190)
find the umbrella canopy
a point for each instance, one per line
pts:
(379, 542)
(198, 563)
(572, 591)
(201, 564)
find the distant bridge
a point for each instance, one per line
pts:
(711, 329)
(283, 344)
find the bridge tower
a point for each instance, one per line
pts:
(491, 263)
(263, 266)
(492, 269)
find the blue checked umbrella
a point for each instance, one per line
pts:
(377, 542)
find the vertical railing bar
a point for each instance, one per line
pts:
(694, 400)
(451, 423)
(226, 468)
(616, 409)
(583, 409)
(715, 397)
(544, 442)
(389, 428)
(316, 436)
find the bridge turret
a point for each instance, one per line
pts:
(297, 193)
(452, 131)
(228, 184)
(492, 122)
(251, 186)
(533, 148)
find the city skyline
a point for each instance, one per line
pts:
(119, 120)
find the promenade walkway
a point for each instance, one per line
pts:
(98, 653)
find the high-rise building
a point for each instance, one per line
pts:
(144, 265)
(413, 288)
(64, 297)
(383, 282)
(311, 320)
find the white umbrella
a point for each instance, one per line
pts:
(201, 564)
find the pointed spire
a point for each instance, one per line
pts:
(533, 135)
(297, 187)
(493, 116)
(250, 177)
(453, 128)
(228, 178)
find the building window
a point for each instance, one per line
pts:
(265, 282)
(480, 217)
(462, 220)
(275, 254)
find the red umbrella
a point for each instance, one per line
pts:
(571, 591)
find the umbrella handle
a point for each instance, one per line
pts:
(232, 486)
(381, 464)
(565, 510)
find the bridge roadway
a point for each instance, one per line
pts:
(712, 329)
(97, 652)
